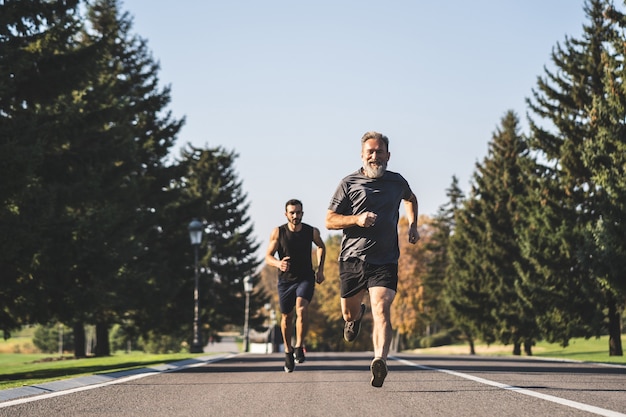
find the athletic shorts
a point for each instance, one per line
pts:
(288, 291)
(357, 275)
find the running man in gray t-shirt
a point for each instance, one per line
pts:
(366, 207)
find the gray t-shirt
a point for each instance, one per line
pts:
(357, 194)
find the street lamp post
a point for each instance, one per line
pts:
(195, 235)
(268, 307)
(247, 288)
(273, 324)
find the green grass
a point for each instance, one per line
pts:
(586, 350)
(21, 369)
(590, 350)
(31, 369)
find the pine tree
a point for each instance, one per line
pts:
(132, 136)
(467, 286)
(563, 307)
(502, 190)
(435, 310)
(209, 190)
(494, 209)
(102, 158)
(605, 158)
(41, 62)
(565, 100)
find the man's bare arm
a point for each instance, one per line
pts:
(321, 255)
(282, 264)
(411, 208)
(271, 249)
(335, 221)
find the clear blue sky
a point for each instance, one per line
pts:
(291, 86)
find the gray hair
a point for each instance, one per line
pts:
(375, 135)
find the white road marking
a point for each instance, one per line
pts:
(557, 400)
(73, 390)
(104, 384)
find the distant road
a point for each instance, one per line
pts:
(337, 384)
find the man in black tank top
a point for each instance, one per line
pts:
(296, 277)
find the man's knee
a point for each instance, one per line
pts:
(381, 299)
(301, 310)
(301, 304)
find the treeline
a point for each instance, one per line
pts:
(94, 208)
(537, 250)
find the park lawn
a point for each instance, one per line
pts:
(587, 350)
(18, 369)
(579, 349)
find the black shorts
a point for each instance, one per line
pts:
(288, 291)
(357, 275)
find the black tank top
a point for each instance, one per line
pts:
(296, 245)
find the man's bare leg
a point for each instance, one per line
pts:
(381, 299)
(286, 325)
(351, 307)
(302, 320)
(352, 311)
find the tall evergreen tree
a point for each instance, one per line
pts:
(605, 157)
(136, 133)
(563, 308)
(210, 190)
(498, 185)
(565, 99)
(501, 185)
(467, 285)
(217, 193)
(435, 310)
(41, 62)
(100, 167)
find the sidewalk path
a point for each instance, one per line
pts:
(227, 344)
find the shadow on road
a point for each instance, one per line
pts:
(512, 364)
(275, 361)
(358, 361)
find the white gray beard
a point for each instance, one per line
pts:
(377, 172)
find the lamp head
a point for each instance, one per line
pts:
(195, 231)
(248, 285)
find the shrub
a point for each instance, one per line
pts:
(157, 343)
(46, 338)
(435, 340)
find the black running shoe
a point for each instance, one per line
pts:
(299, 354)
(379, 372)
(289, 363)
(352, 328)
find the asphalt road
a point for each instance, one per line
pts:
(338, 384)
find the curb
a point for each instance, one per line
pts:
(84, 381)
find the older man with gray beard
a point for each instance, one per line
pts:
(366, 207)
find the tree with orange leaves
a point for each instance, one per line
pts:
(407, 312)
